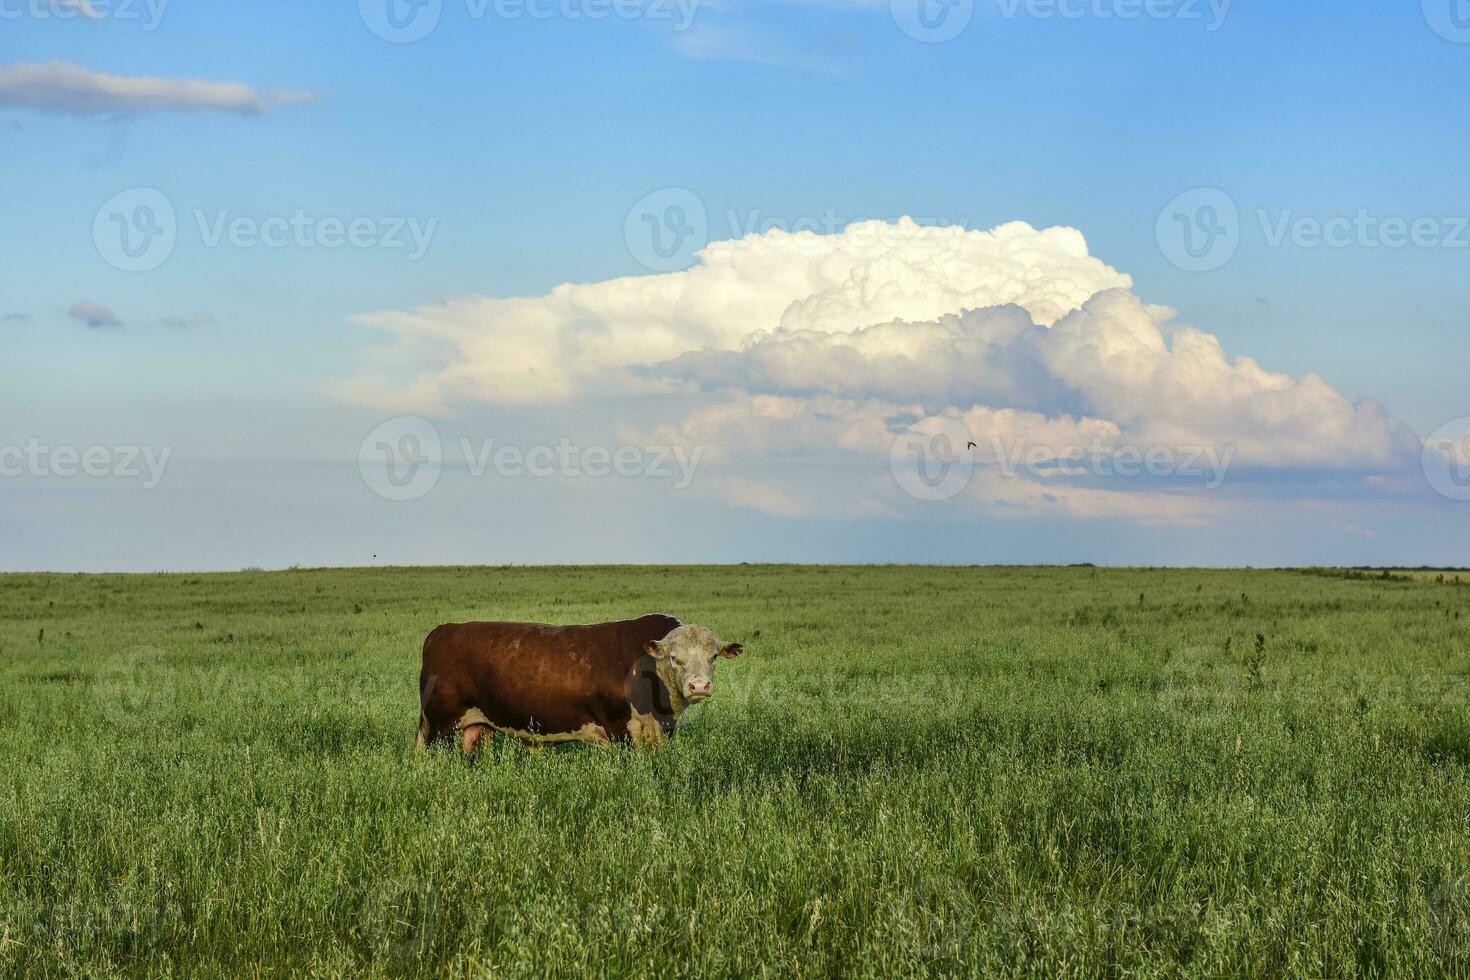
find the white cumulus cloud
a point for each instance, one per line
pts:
(1109, 360)
(589, 336)
(820, 349)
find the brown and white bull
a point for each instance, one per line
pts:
(627, 681)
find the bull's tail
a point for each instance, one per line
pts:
(426, 687)
(423, 739)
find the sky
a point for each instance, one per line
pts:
(1166, 282)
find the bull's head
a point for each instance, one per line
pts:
(686, 661)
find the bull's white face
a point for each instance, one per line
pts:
(686, 661)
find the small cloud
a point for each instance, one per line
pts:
(64, 87)
(180, 322)
(759, 46)
(15, 317)
(93, 315)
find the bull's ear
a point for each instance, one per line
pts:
(731, 650)
(654, 648)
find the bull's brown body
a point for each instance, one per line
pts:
(542, 681)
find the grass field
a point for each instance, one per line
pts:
(910, 771)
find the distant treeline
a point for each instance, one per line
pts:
(1399, 573)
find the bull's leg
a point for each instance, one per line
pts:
(432, 733)
(645, 732)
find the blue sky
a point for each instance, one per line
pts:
(526, 140)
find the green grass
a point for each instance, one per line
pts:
(909, 771)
